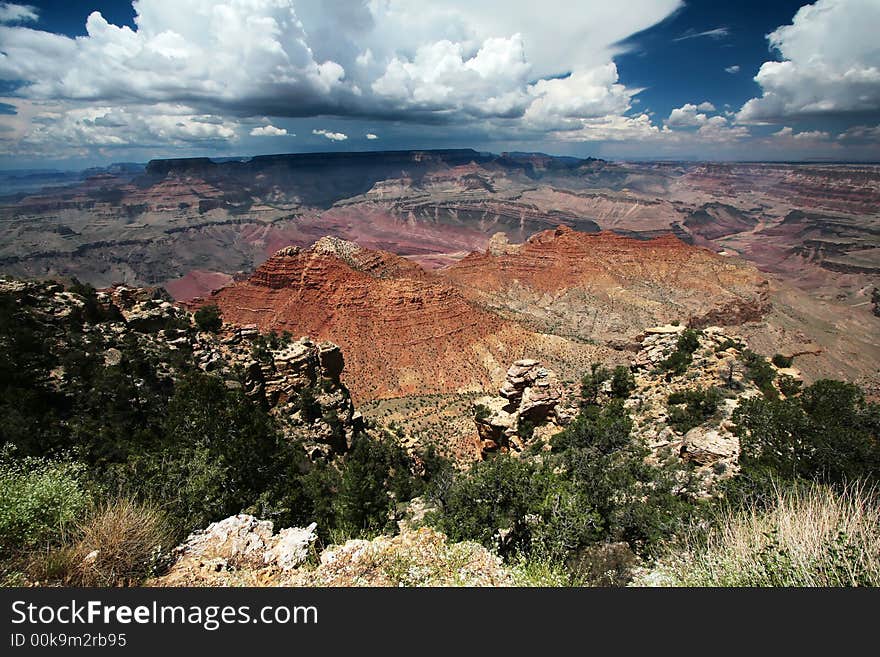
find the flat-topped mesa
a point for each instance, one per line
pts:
(564, 238)
(563, 234)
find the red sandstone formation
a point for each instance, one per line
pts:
(402, 331)
(407, 331)
(608, 286)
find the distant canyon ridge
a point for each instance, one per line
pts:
(465, 248)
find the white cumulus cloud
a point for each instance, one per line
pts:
(861, 133)
(566, 103)
(332, 136)
(713, 129)
(371, 136)
(830, 63)
(689, 115)
(269, 131)
(109, 126)
(460, 61)
(492, 82)
(787, 134)
(11, 12)
(733, 70)
(718, 129)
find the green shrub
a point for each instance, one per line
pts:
(605, 428)
(217, 454)
(307, 405)
(517, 508)
(622, 382)
(481, 412)
(759, 372)
(591, 384)
(678, 361)
(782, 361)
(38, 499)
(639, 503)
(376, 475)
(208, 318)
(691, 408)
(829, 433)
(688, 341)
(260, 349)
(729, 344)
(594, 486)
(789, 386)
(93, 310)
(525, 430)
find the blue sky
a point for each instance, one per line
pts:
(90, 82)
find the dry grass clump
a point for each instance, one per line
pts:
(810, 536)
(118, 544)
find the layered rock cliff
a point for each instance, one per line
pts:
(403, 331)
(605, 286)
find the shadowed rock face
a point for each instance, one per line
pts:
(714, 220)
(408, 331)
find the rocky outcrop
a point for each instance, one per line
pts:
(243, 551)
(422, 557)
(706, 446)
(530, 406)
(237, 543)
(146, 310)
(712, 447)
(243, 540)
(278, 373)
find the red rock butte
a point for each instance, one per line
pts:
(407, 331)
(402, 331)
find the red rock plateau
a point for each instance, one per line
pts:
(155, 225)
(191, 224)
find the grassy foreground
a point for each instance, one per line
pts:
(809, 535)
